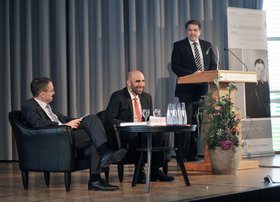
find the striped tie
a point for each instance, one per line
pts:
(197, 57)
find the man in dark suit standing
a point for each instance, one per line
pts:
(122, 108)
(191, 56)
(87, 131)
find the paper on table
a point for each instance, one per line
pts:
(133, 124)
(157, 121)
(84, 116)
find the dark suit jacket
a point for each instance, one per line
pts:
(120, 110)
(120, 107)
(183, 63)
(34, 116)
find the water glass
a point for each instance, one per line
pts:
(146, 114)
(157, 113)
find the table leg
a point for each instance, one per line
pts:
(137, 170)
(149, 159)
(182, 166)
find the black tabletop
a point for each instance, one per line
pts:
(154, 129)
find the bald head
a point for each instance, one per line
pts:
(134, 73)
(135, 82)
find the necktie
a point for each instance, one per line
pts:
(197, 57)
(52, 115)
(137, 110)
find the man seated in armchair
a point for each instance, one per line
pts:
(86, 132)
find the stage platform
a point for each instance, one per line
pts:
(246, 185)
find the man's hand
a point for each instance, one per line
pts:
(197, 72)
(75, 123)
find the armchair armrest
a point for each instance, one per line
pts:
(45, 149)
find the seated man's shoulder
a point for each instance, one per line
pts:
(118, 92)
(180, 42)
(30, 103)
(145, 94)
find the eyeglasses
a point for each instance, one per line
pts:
(50, 91)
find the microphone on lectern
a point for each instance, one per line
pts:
(237, 58)
(217, 56)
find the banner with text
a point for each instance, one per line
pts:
(247, 44)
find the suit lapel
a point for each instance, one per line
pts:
(38, 107)
(128, 98)
(203, 48)
(144, 103)
(189, 49)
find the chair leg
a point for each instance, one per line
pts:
(165, 168)
(47, 178)
(24, 176)
(67, 180)
(120, 171)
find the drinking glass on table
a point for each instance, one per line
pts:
(146, 114)
(157, 113)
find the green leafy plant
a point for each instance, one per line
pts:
(222, 119)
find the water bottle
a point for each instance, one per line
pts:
(174, 115)
(184, 114)
(179, 114)
(169, 114)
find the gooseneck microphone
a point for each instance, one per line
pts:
(217, 56)
(207, 51)
(237, 58)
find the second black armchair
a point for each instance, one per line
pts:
(116, 139)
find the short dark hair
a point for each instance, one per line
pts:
(38, 85)
(259, 61)
(192, 22)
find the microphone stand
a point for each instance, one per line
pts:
(237, 59)
(218, 57)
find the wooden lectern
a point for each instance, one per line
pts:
(225, 77)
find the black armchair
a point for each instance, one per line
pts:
(47, 150)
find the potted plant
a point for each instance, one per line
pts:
(222, 135)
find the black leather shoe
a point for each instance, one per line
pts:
(112, 157)
(141, 177)
(101, 185)
(159, 175)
